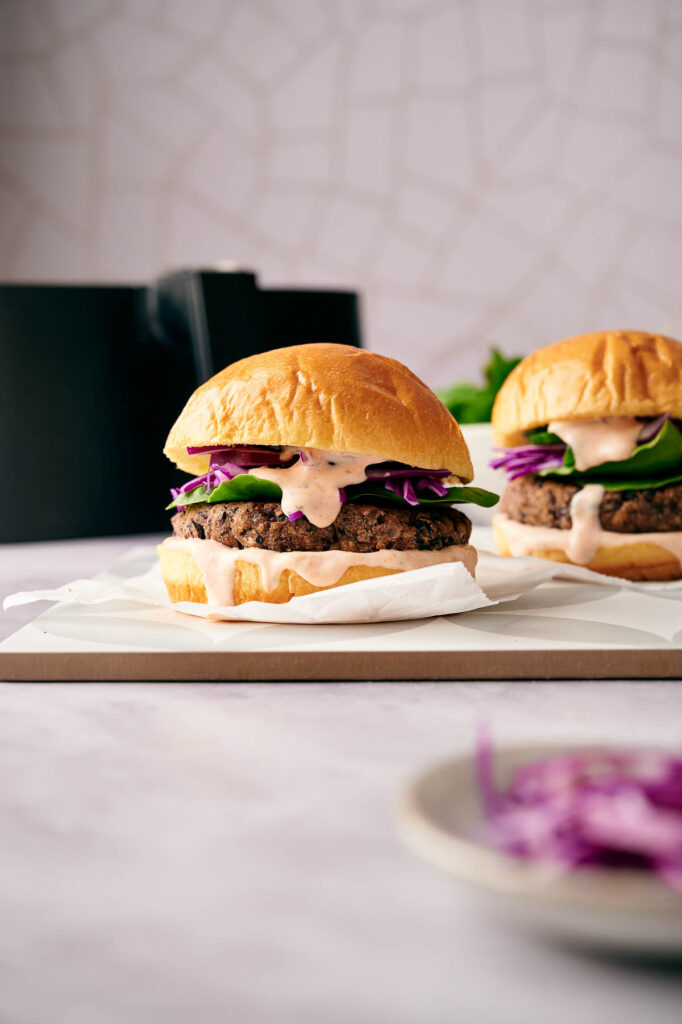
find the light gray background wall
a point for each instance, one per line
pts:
(502, 171)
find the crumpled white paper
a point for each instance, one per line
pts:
(421, 593)
(599, 579)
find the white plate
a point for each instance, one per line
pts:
(628, 911)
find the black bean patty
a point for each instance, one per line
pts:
(538, 501)
(252, 524)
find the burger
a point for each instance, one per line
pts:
(312, 467)
(590, 431)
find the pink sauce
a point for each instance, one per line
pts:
(321, 568)
(582, 542)
(312, 484)
(585, 530)
(610, 439)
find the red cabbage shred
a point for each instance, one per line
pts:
(540, 458)
(588, 809)
(228, 461)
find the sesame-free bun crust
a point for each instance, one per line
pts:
(608, 373)
(333, 397)
(185, 582)
(632, 560)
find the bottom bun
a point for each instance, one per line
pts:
(635, 560)
(185, 581)
(235, 579)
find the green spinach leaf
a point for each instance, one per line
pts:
(657, 463)
(471, 404)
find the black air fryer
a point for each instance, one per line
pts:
(93, 377)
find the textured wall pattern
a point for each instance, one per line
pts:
(485, 171)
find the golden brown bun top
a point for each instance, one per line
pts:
(334, 397)
(608, 373)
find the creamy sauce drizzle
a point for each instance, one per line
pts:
(586, 527)
(320, 568)
(312, 484)
(581, 549)
(610, 439)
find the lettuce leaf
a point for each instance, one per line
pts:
(539, 435)
(469, 403)
(250, 488)
(657, 463)
(241, 488)
(456, 496)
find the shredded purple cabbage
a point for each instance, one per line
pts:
(220, 469)
(529, 458)
(228, 461)
(429, 484)
(244, 455)
(404, 489)
(397, 469)
(405, 481)
(538, 458)
(593, 808)
(651, 428)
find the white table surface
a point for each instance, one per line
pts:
(225, 852)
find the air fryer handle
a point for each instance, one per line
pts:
(215, 316)
(221, 316)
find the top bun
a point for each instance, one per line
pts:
(608, 373)
(334, 397)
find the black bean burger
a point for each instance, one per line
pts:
(590, 431)
(313, 466)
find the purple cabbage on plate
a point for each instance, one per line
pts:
(598, 808)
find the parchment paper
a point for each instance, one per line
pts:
(421, 593)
